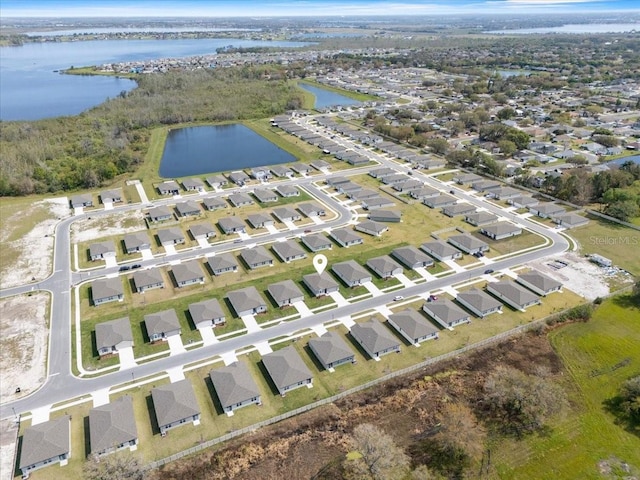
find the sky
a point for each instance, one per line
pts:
(279, 8)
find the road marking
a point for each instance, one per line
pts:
(54, 374)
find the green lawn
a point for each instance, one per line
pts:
(587, 434)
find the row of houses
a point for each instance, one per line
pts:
(107, 197)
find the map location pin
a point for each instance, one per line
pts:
(320, 263)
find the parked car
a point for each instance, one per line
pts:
(432, 298)
(307, 231)
(488, 271)
(124, 268)
(397, 298)
(452, 192)
(137, 265)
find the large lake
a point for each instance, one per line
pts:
(326, 98)
(575, 28)
(219, 148)
(31, 89)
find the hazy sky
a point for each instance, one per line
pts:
(261, 8)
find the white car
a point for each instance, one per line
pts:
(398, 298)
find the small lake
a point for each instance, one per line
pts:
(512, 73)
(217, 148)
(326, 98)
(620, 161)
(31, 89)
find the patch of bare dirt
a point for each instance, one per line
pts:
(23, 344)
(8, 445)
(92, 228)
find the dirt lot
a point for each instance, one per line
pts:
(23, 344)
(314, 444)
(89, 228)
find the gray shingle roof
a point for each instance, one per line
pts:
(374, 336)
(288, 249)
(106, 287)
(258, 219)
(514, 292)
(205, 310)
(113, 332)
(316, 240)
(350, 270)
(161, 322)
(286, 367)
(100, 248)
(411, 255)
(112, 424)
(481, 218)
(230, 223)
(285, 290)
(201, 230)
(320, 281)
(383, 264)
(234, 384)
(501, 228)
(256, 255)
(440, 248)
(537, 279)
(344, 235)
(187, 271)
(142, 278)
(185, 208)
(468, 241)
(284, 213)
(222, 262)
(330, 347)
(480, 300)
(245, 299)
(170, 235)
(174, 402)
(240, 198)
(413, 323)
(446, 310)
(310, 207)
(45, 440)
(135, 240)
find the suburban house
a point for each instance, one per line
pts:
(240, 199)
(105, 290)
(441, 250)
(523, 201)
(207, 313)
(217, 181)
(504, 193)
(480, 218)
(288, 251)
(264, 195)
(287, 191)
(282, 171)
(202, 231)
(371, 228)
(394, 179)
(260, 173)
(381, 172)
(239, 178)
(235, 387)
(45, 444)
(408, 186)
(458, 209)
(231, 225)
(136, 241)
(286, 214)
(112, 336)
(287, 370)
(484, 185)
(256, 257)
(285, 293)
(260, 220)
(384, 266)
(111, 196)
(388, 216)
(501, 230)
(321, 165)
(378, 201)
(147, 279)
(320, 284)
(193, 185)
(467, 178)
(570, 220)
(351, 273)
(170, 187)
(375, 338)
(214, 203)
(345, 237)
(360, 195)
(478, 302)
(247, 301)
(159, 214)
(187, 273)
(348, 187)
(317, 242)
(513, 294)
(331, 350)
(446, 313)
(222, 263)
(539, 283)
(81, 200)
(412, 257)
(188, 209)
(424, 192)
(413, 326)
(336, 180)
(175, 404)
(468, 243)
(162, 325)
(439, 201)
(301, 168)
(112, 427)
(547, 210)
(170, 236)
(311, 209)
(102, 250)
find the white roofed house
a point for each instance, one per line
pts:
(287, 370)
(105, 290)
(288, 251)
(207, 313)
(102, 250)
(513, 294)
(331, 350)
(384, 266)
(235, 387)
(446, 313)
(468, 243)
(413, 326)
(412, 257)
(187, 273)
(478, 302)
(375, 339)
(113, 336)
(260, 173)
(285, 293)
(539, 283)
(162, 325)
(501, 230)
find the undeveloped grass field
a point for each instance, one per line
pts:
(599, 356)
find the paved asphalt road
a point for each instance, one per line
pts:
(62, 385)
